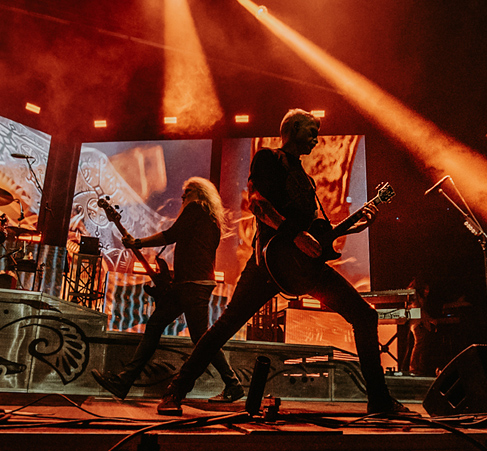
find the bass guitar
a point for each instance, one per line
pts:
(291, 269)
(161, 279)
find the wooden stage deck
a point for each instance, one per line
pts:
(50, 346)
(87, 423)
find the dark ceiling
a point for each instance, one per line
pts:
(103, 58)
(86, 58)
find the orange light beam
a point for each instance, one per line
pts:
(189, 94)
(440, 153)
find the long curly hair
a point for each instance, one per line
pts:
(208, 195)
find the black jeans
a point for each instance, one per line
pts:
(254, 289)
(192, 299)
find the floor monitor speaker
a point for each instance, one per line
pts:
(461, 388)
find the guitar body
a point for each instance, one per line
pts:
(292, 270)
(162, 280)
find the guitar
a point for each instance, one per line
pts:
(291, 269)
(162, 279)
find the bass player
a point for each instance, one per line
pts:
(196, 232)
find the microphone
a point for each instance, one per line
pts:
(20, 156)
(436, 185)
(22, 215)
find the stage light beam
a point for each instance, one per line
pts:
(436, 152)
(190, 94)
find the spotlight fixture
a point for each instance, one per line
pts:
(33, 108)
(32, 239)
(138, 268)
(305, 303)
(170, 120)
(242, 118)
(100, 124)
(262, 10)
(318, 113)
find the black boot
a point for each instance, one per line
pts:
(116, 384)
(387, 405)
(170, 403)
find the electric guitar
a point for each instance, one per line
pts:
(294, 271)
(162, 279)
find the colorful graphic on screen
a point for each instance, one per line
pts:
(337, 165)
(23, 160)
(142, 181)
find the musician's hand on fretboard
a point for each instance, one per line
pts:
(128, 241)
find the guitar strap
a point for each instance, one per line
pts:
(321, 207)
(163, 248)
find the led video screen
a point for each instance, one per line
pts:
(142, 181)
(24, 153)
(23, 160)
(338, 167)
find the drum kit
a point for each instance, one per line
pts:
(18, 260)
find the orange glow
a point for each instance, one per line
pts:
(100, 124)
(139, 269)
(190, 93)
(31, 238)
(33, 108)
(242, 119)
(318, 113)
(311, 303)
(434, 149)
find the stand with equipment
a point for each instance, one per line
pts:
(470, 221)
(84, 284)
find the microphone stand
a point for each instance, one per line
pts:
(38, 185)
(471, 223)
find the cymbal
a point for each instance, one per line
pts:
(21, 231)
(5, 197)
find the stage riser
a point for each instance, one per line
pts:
(51, 346)
(48, 345)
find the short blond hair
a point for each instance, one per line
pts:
(299, 115)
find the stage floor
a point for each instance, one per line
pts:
(55, 422)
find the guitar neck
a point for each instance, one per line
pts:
(144, 263)
(150, 272)
(343, 226)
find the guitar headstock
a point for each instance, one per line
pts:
(385, 192)
(112, 214)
